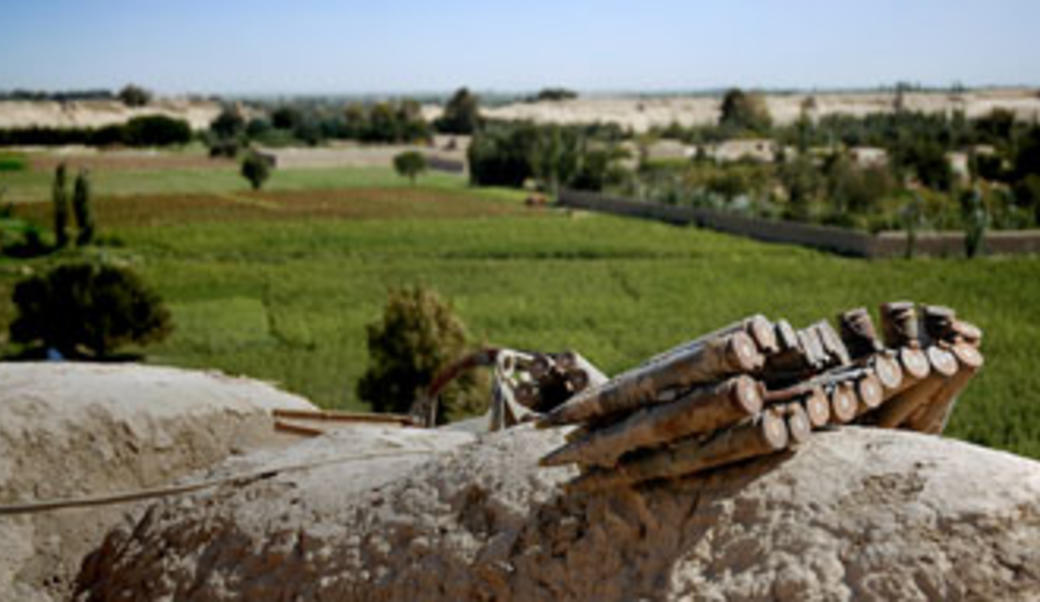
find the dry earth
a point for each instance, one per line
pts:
(643, 113)
(855, 514)
(70, 430)
(99, 113)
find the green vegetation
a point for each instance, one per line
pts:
(410, 164)
(744, 112)
(87, 307)
(134, 96)
(60, 205)
(256, 168)
(147, 130)
(82, 209)
(12, 162)
(553, 94)
(313, 123)
(34, 186)
(281, 285)
(417, 337)
(461, 114)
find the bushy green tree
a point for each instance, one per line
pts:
(556, 94)
(1027, 159)
(801, 179)
(852, 188)
(134, 96)
(82, 209)
(976, 219)
(156, 130)
(86, 306)
(228, 124)
(927, 160)
(556, 156)
(501, 155)
(745, 111)
(410, 164)
(417, 336)
(461, 114)
(60, 200)
(286, 118)
(256, 168)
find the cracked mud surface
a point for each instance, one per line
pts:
(855, 514)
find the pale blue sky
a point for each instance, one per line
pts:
(324, 46)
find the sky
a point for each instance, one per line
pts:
(327, 47)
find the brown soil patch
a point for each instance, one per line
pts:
(354, 203)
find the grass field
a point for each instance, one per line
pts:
(280, 284)
(27, 185)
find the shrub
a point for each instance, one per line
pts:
(134, 96)
(856, 189)
(461, 114)
(417, 336)
(87, 306)
(286, 118)
(82, 210)
(926, 159)
(743, 111)
(224, 147)
(229, 124)
(802, 182)
(1027, 160)
(1027, 195)
(60, 200)
(501, 155)
(555, 94)
(256, 168)
(975, 221)
(156, 130)
(12, 162)
(410, 164)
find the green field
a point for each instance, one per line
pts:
(279, 285)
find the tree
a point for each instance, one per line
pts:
(461, 114)
(82, 210)
(416, 337)
(156, 130)
(256, 168)
(134, 96)
(743, 111)
(501, 155)
(802, 182)
(286, 118)
(87, 306)
(556, 156)
(59, 197)
(228, 124)
(410, 164)
(555, 94)
(976, 219)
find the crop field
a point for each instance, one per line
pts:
(280, 284)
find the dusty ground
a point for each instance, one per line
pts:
(446, 148)
(70, 430)
(856, 514)
(123, 160)
(99, 113)
(643, 113)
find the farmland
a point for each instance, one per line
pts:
(279, 284)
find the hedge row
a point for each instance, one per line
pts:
(149, 130)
